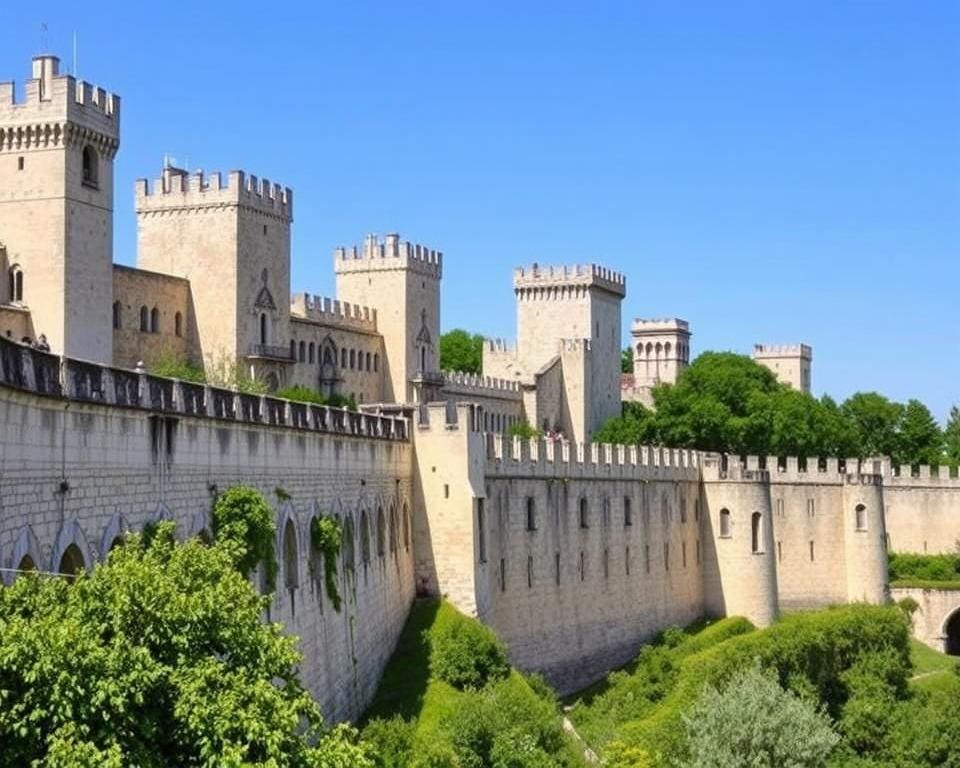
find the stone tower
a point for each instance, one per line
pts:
(790, 363)
(560, 305)
(402, 282)
(232, 242)
(661, 350)
(56, 207)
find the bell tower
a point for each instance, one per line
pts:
(57, 147)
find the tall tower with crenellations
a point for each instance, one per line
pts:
(573, 313)
(790, 363)
(230, 237)
(57, 147)
(401, 281)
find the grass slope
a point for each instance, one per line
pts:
(409, 690)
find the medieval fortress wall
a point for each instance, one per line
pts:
(89, 453)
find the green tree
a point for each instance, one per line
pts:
(636, 426)
(754, 722)
(158, 657)
(951, 437)
(461, 351)
(875, 421)
(919, 439)
(626, 360)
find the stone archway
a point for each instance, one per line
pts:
(951, 634)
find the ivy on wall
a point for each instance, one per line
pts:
(243, 521)
(326, 536)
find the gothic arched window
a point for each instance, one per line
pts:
(91, 171)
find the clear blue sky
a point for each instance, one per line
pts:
(772, 172)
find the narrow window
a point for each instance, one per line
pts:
(683, 509)
(368, 360)
(381, 533)
(19, 163)
(583, 513)
(293, 349)
(530, 572)
(482, 530)
(725, 523)
(756, 533)
(178, 324)
(556, 568)
(531, 514)
(861, 513)
(343, 358)
(606, 563)
(779, 552)
(626, 560)
(302, 356)
(446, 490)
(376, 362)
(646, 558)
(117, 315)
(666, 555)
(606, 512)
(154, 320)
(291, 575)
(144, 319)
(811, 551)
(503, 575)
(627, 511)
(311, 353)
(423, 358)
(683, 553)
(698, 551)
(263, 327)
(583, 566)
(353, 359)
(696, 510)
(264, 229)
(90, 167)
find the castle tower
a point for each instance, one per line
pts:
(864, 537)
(790, 363)
(661, 350)
(56, 207)
(574, 303)
(232, 242)
(401, 281)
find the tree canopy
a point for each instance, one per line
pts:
(461, 351)
(727, 402)
(158, 657)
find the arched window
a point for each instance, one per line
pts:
(423, 358)
(756, 533)
(291, 575)
(725, 523)
(861, 514)
(353, 359)
(263, 328)
(144, 319)
(343, 358)
(376, 362)
(584, 512)
(381, 533)
(406, 528)
(71, 562)
(347, 548)
(627, 511)
(15, 283)
(91, 170)
(178, 324)
(293, 349)
(311, 353)
(154, 320)
(303, 352)
(368, 360)
(117, 315)
(364, 537)
(531, 514)
(26, 564)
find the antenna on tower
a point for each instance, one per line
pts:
(76, 72)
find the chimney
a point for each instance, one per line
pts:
(45, 68)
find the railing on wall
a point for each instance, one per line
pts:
(28, 369)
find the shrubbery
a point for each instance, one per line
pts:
(243, 522)
(467, 654)
(910, 567)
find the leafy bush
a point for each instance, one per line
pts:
(391, 739)
(910, 567)
(524, 431)
(753, 721)
(243, 521)
(301, 394)
(467, 654)
(326, 536)
(173, 366)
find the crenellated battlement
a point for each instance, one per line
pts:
(176, 189)
(563, 282)
(761, 351)
(642, 326)
(327, 311)
(57, 109)
(466, 383)
(389, 253)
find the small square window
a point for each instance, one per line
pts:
(19, 163)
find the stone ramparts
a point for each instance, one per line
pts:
(333, 312)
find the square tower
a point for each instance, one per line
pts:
(661, 350)
(232, 242)
(559, 305)
(401, 281)
(790, 363)
(56, 207)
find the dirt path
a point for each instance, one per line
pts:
(589, 755)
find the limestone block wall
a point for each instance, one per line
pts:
(500, 401)
(922, 510)
(344, 360)
(590, 550)
(75, 471)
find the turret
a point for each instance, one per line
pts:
(864, 537)
(790, 363)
